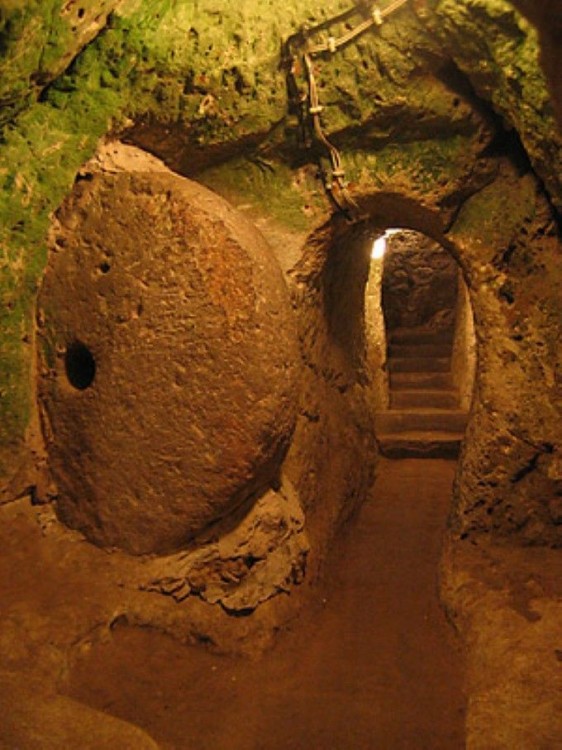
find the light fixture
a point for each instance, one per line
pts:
(379, 247)
(380, 242)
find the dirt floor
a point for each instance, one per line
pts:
(374, 666)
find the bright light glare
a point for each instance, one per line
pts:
(379, 247)
(379, 244)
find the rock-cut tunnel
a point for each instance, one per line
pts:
(280, 451)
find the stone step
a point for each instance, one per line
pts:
(419, 380)
(419, 336)
(419, 364)
(420, 444)
(420, 398)
(407, 351)
(412, 420)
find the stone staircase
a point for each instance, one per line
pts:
(424, 419)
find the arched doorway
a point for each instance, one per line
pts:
(416, 295)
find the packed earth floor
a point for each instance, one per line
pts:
(373, 666)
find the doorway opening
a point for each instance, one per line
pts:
(429, 346)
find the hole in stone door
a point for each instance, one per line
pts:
(429, 344)
(80, 366)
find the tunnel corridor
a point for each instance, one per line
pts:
(262, 486)
(298, 599)
(430, 347)
(373, 663)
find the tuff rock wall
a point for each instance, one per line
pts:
(446, 121)
(445, 124)
(419, 283)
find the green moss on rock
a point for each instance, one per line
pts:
(72, 72)
(493, 216)
(497, 49)
(38, 40)
(289, 197)
(422, 168)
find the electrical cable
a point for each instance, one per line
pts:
(308, 105)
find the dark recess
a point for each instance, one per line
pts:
(80, 366)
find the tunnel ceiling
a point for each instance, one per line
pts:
(424, 105)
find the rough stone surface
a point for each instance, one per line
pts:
(547, 17)
(376, 336)
(464, 357)
(373, 665)
(335, 421)
(419, 283)
(508, 469)
(61, 596)
(39, 43)
(446, 126)
(261, 557)
(498, 51)
(180, 307)
(507, 604)
(208, 92)
(34, 719)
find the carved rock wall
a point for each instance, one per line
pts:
(510, 479)
(419, 283)
(464, 360)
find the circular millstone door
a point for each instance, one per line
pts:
(167, 360)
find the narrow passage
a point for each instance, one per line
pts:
(377, 666)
